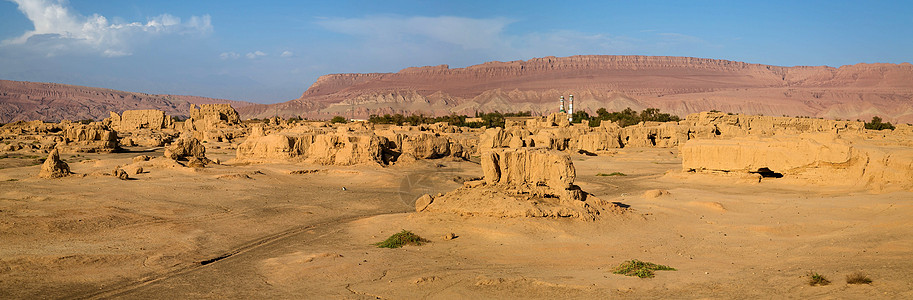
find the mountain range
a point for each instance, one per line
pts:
(678, 85)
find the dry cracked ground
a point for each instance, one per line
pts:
(259, 231)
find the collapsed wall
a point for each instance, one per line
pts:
(139, 119)
(355, 144)
(521, 183)
(213, 122)
(820, 159)
(321, 148)
(556, 133)
(89, 138)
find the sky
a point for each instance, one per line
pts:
(271, 51)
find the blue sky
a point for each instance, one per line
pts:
(271, 51)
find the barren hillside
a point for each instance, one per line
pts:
(680, 85)
(20, 100)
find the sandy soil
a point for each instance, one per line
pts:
(257, 231)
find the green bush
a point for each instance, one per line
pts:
(640, 269)
(338, 119)
(876, 124)
(402, 238)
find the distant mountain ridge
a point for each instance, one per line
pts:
(23, 101)
(679, 85)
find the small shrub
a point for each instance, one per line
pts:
(858, 278)
(339, 119)
(640, 269)
(402, 238)
(817, 279)
(612, 174)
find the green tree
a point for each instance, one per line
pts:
(876, 124)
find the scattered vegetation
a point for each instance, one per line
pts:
(640, 269)
(402, 238)
(858, 278)
(876, 124)
(339, 119)
(492, 119)
(817, 279)
(612, 174)
(624, 118)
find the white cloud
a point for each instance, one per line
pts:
(59, 29)
(287, 54)
(229, 55)
(255, 54)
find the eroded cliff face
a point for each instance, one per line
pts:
(681, 85)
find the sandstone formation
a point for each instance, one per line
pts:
(53, 167)
(328, 148)
(356, 143)
(139, 119)
(680, 85)
(819, 159)
(120, 173)
(89, 138)
(213, 122)
(186, 148)
(521, 183)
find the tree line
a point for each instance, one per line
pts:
(624, 118)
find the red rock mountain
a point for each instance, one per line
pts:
(20, 100)
(680, 85)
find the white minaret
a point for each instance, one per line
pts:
(570, 109)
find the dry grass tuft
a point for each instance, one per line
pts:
(858, 278)
(817, 279)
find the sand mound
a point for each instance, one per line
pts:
(53, 167)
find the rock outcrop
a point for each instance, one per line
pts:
(186, 148)
(346, 148)
(53, 167)
(89, 138)
(522, 183)
(132, 120)
(819, 159)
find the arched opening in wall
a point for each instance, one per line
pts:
(768, 173)
(652, 138)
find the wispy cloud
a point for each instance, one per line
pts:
(416, 40)
(58, 29)
(467, 33)
(255, 54)
(229, 55)
(287, 54)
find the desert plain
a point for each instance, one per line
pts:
(141, 206)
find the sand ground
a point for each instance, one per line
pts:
(257, 231)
